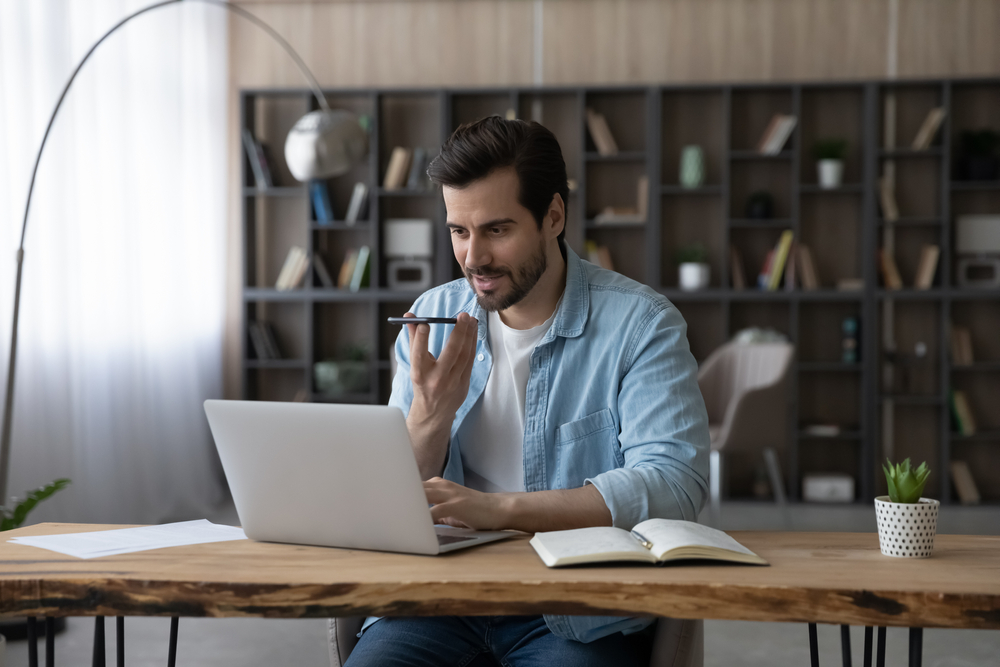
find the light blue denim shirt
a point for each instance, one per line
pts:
(612, 400)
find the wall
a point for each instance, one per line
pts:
(523, 42)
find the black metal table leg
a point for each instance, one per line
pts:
(916, 646)
(845, 644)
(172, 649)
(880, 655)
(120, 639)
(99, 657)
(50, 642)
(868, 646)
(813, 646)
(32, 642)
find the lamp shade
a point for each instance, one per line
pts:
(325, 143)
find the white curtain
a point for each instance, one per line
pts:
(123, 295)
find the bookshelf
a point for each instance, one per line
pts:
(843, 227)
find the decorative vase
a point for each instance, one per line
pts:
(906, 530)
(693, 276)
(831, 173)
(692, 166)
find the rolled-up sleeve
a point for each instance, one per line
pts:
(663, 434)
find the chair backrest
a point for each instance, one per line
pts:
(736, 368)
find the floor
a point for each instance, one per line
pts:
(270, 643)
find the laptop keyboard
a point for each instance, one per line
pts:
(451, 539)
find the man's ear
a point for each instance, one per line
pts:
(555, 219)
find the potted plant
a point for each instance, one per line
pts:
(830, 162)
(978, 161)
(349, 375)
(907, 522)
(693, 269)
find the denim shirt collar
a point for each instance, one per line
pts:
(574, 306)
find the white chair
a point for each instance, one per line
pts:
(746, 395)
(677, 643)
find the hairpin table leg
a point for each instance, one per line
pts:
(50, 642)
(120, 639)
(880, 654)
(99, 657)
(916, 646)
(813, 646)
(172, 649)
(845, 644)
(868, 646)
(32, 642)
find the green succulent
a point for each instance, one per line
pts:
(13, 518)
(906, 485)
(694, 252)
(830, 149)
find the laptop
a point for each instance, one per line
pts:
(329, 475)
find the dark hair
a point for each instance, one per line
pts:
(475, 150)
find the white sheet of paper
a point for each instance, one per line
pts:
(130, 540)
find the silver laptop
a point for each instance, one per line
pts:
(329, 475)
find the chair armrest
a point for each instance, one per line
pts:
(343, 636)
(678, 643)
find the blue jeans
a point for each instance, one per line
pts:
(481, 641)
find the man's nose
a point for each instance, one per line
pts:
(477, 253)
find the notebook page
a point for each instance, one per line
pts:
(588, 542)
(667, 534)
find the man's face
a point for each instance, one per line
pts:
(496, 240)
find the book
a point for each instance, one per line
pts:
(765, 271)
(805, 269)
(612, 215)
(250, 146)
(362, 268)
(319, 194)
(792, 268)
(319, 266)
(780, 257)
(776, 134)
(927, 266)
(418, 164)
(961, 412)
(890, 273)
(347, 269)
(597, 124)
(652, 541)
(270, 340)
(965, 485)
(737, 273)
(357, 209)
(887, 199)
(257, 341)
(961, 346)
(925, 135)
(399, 163)
(293, 270)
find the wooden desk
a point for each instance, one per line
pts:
(837, 578)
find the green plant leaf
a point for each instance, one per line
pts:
(906, 484)
(14, 518)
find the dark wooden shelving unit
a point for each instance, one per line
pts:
(842, 226)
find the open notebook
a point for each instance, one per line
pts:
(652, 541)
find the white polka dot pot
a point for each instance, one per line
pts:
(906, 530)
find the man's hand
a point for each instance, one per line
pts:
(462, 507)
(439, 389)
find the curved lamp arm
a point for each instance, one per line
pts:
(8, 412)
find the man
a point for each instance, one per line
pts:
(564, 397)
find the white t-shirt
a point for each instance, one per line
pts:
(493, 449)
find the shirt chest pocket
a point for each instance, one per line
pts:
(585, 448)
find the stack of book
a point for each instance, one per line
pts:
(257, 156)
(355, 272)
(776, 134)
(961, 413)
(357, 209)
(265, 344)
(407, 169)
(605, 142)
(293, 270)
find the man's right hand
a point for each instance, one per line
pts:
(439, 389)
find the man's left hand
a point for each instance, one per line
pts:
(462, 507)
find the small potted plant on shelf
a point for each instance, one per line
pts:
(830, 162)
(349, 375)
(907, 522)
(978, 160)
(693, 271)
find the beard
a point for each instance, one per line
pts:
(522, 279)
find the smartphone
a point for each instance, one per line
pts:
(422, 320)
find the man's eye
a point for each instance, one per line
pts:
(458, 232)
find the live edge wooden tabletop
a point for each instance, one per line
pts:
(813, 577)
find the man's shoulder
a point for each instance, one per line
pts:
(611, 290)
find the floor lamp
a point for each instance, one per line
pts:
(322, 144)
